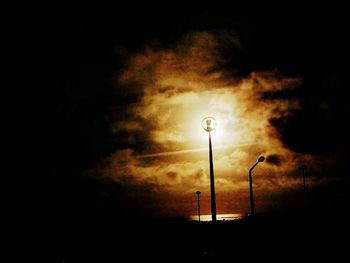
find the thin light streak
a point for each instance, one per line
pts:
(192, 150)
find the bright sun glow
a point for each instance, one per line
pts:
(218, 134)
(217, 106)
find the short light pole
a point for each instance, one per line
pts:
(198, 206)
(261, 159)
(209, 125)
(303, 168)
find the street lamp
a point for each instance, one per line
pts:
(260, 160)
(303, 168)
(209, 124)
(199, 208)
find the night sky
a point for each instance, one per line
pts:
(121, 84)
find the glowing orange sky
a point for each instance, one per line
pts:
(181, 85)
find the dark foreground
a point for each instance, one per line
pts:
(272, 237)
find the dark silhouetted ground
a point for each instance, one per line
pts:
(270, 236)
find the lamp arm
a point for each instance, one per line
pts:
(251, 169)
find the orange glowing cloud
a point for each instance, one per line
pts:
(179, 86)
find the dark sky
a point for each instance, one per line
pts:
(84, 52)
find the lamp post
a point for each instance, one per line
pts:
(261, 159)
(209, 124)
(198, 206)
(303, 168)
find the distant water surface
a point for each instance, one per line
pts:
(219, 217)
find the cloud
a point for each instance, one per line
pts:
(172, 175)
(167, 149)
(274, 159)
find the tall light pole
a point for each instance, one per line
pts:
(198, 206)
(261, 159)
(209, 124)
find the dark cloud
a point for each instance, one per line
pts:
(314, 131)
(172, 175)
(275, 159)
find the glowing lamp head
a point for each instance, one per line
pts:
(208, 124)
(261, 159)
